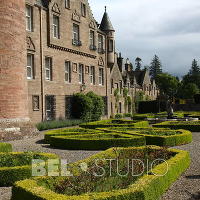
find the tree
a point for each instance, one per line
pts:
(155, 67)
(138, 64)
(187, 91)
(193, 75)
(167, 84)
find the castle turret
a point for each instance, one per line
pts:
(106, 26)
(13, 83)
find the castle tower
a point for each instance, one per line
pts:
(106, 26)
(13, 83)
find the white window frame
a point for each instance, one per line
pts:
(76, 32)
(92, 38)
(68, 71)
(81, 73)
(48, 68)
(56, 26)
(92, 75)
(100, 42)
(29, 18)
(31, 66)
(101, 76)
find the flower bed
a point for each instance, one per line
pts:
(17, 166)
(159, 137)
(146, 186)
(193, 126)
(114, 123)
(5, 147)
(98, 141)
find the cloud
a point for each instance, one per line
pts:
(169, 28)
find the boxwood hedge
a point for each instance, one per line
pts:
(193, 126)
(180, 136)
(17, 166)
(99, 141)
(5, 147)
(148, 187)
(114, 123)
(67, 132)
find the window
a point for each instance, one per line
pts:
(76, 35)
(81, 73)
(30, 66)
(68, 71)
(56, 26)
(67, 4)
(92, 40)
(29, 18)
(83, 9)
(36, 103)
(101, 76)
(92, 75)
(110, 46)
(100, 44)
(120, 107)
(121, 87)
(50, 102)
(48, 68)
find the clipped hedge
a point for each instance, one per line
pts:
(183, 137)
(191, 126)
(148, 187)
(58, 124)
(100, 141)
(17, 166)
(5, 147)
(114, 123)
(69, 131)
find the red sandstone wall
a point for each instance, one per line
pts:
(13, 84)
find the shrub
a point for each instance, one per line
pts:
(69, 131)
(47, 125)
(197, 98)
(98, 106)
(142, 189)
(159, 137)
(114, 123)
(118, 116)
(127, 115)
(100, 141)
(193, 126)
(5, 147)
(82, 107)
(17, 166)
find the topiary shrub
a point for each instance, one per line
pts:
(98, 106)
(118, 116)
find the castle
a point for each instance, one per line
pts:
(51, 49)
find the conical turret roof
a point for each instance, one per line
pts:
(106, 24)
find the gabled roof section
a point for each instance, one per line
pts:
(106, 24)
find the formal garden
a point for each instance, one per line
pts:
(131, 156)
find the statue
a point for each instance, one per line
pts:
(170, 111)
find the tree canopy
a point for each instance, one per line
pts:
(155, 67)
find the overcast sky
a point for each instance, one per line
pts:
(168, 28)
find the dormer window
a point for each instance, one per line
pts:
(83, 9)
(67, 4)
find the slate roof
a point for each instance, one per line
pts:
(106, 24)
(43, 3)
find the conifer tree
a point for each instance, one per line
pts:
(155, 67)
(138, 64)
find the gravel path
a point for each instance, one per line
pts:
(36, 144)
(187, 187)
